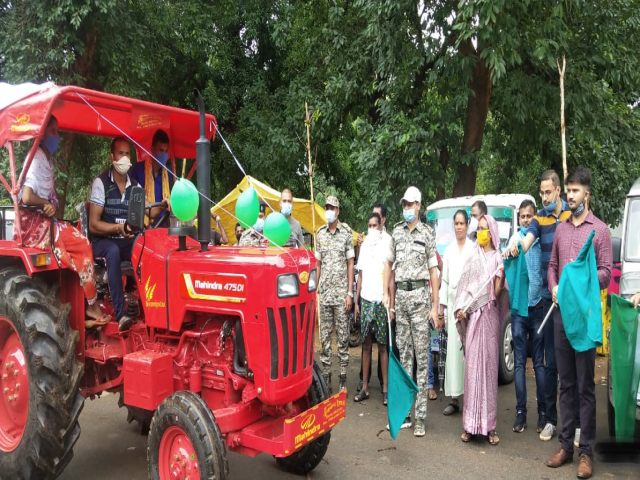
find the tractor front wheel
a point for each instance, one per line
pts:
(185, 441)
(309, 456)
(40, 399)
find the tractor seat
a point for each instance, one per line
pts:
(125, 266)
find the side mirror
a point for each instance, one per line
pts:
(135, 214)
(616, 247)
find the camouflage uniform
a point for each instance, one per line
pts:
(412, 254)
(333, 250)
(250, 238)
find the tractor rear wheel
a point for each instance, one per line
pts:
(40, 400)
(309, 456)
(185, 441)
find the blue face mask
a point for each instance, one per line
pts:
(259, 225)
(523, 230)
(409, 215)
(285, 209)
(163, 158)
(549, 209)
(51, 143)
(579, 210)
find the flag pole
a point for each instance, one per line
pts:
(307, 122)
(563, 141)
(475, 296)
(546, 317)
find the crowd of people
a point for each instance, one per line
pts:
(404, 289)
(402, 282)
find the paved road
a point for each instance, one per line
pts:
(360, 448)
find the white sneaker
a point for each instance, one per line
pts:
(548, 432)
(576, 438)
(406, 424)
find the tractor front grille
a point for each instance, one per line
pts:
(291, 338)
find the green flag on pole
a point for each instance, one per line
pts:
(625, 366)
(515, 269)
(579, 299)
(401, 391)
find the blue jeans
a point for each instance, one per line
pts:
(114, 251)
(524, 328)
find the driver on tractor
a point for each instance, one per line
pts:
(111, 239)
(158, 190)
(39, 224)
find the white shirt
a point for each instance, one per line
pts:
(40, 177)
(371, 261)
(453, 262)
(97, 190)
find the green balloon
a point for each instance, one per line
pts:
(277, 229)
(248, 207)
(184, 200)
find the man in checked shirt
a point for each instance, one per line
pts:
(576, 369)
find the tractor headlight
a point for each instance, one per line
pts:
(288, 285)
(313, 280)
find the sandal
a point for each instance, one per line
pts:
(433, 395)
(466, 437)
(493, 438)
(362, 395)
(451, 409)
(384, 398)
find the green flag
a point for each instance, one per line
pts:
(401, 390)
(625, 366)
(515, 269)
(579, 299)
(401, 394)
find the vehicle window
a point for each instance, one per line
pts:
(632, 232)
(441, 219)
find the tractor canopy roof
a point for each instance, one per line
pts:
(25, 111)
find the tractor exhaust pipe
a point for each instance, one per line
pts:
(203, 156)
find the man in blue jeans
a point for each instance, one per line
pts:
(524, 328)
(111, 240)
(543, 229)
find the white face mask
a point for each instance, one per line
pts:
(473, 225)
(123, 165)
(373, 234)
(331, 216)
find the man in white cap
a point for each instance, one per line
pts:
(412, 257)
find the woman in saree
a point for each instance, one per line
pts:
(478, 322)
(454, 260)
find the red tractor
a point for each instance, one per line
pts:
(221, 356)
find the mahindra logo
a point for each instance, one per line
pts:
(308, 422)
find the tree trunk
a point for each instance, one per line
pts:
(474, 122)
(443, 159)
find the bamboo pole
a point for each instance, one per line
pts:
(565, 173)
(307, 122)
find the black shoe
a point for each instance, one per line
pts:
(520, 423)
(542, 421)
(125, 322)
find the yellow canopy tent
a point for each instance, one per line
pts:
(302, 209)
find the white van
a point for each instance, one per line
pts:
(504, 208)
